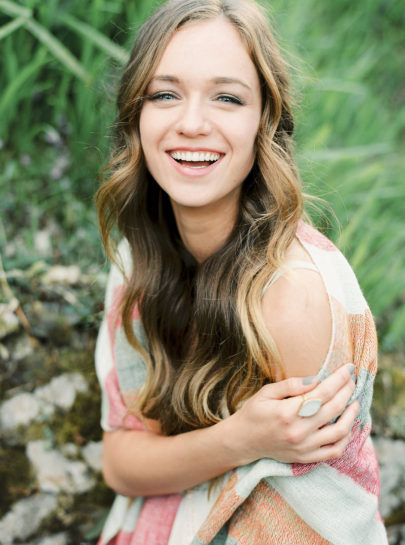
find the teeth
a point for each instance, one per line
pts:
(194, 156)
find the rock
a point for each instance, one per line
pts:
(22, 348)
(55, 473)
(391, 455)
(61, 391)
(396, 534)
(4, 352)
(62, 275)
(42, 242)
(70, 450)
(26, 517)
(92, 453)
(8, 320)
(20, 410)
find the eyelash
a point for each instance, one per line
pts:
(166, 95)
(231, 99)
(160, 96)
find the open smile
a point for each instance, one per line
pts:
(196, 159)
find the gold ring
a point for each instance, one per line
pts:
(309, 407)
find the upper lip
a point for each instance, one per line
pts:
(189, 148)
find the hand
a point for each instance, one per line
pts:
(268, 424)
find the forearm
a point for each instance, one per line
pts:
(141, 463)
(137, 463)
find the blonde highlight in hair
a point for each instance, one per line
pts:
(208, 346)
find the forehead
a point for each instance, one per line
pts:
(210, 48)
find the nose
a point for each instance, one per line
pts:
(193, 120)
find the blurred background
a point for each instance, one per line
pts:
(60, 62)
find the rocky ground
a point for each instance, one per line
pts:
(52, 492)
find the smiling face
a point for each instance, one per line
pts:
(200, 117)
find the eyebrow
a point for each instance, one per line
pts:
(218, 80)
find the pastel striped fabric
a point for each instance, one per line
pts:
(266, 502)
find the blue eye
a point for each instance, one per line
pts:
(162, 96)
(230, 99)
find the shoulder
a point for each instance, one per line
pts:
(297, 313)
(340, 280)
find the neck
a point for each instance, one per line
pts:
(204, 230)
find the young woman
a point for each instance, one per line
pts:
(225, 357)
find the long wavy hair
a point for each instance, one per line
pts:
(208, 346)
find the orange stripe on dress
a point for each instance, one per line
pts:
(265, 517)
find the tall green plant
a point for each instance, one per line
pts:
(60, 64)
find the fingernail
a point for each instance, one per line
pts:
(354, 379)
(350, 367)
(309, 380)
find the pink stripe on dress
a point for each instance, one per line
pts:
(119, 416)
(155, 520)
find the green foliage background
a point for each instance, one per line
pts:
(60, 62)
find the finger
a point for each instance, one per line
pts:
(328, 388)
(334, 408)
(290, 387)
(339, 430)
(335, 450)
(331, 395)
(328, 452)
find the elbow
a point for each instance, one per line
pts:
(114, 481)
(114, 470)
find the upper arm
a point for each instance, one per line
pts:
(297, 313)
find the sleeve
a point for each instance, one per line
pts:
(114, 411)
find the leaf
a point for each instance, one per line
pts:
(97, 38)
(58, 50)
(8, 28)
(361, 213)
(341, 86)
(354, 152)
(14, 9)
(96, 530)
(9, 95)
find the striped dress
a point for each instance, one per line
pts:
(265, 502)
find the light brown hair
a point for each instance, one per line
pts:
(208, 345)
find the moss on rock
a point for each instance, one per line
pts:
(16, 476)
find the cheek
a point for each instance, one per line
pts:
(246, 147)
(148, 126)
(246, 130)
(145, 127)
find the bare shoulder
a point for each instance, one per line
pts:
(297, 314)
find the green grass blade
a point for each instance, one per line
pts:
(97, 38)
(362, 212)
(14, 9)
(58, 50)
(8, 97)
(354, 152)
(340, 86)
(9, 28)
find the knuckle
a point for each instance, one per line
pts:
(265, 390)
(341, 451)
(328, 391)
(342, 431)
(292, 385)
(346, 428)
(294, 436)
(338, 406)
(286, 417)
(338, 450)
